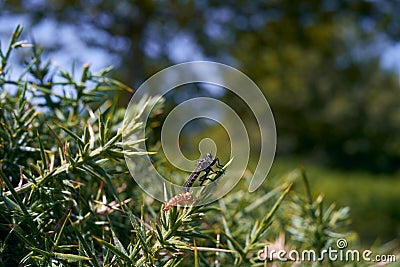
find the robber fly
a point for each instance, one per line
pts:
(204, 164)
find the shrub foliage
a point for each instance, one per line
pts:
(67, 198)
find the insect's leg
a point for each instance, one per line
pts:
(210, 164)
(207, 178)
(217, 173)
(204, 177)
(219, 166)
(210, 169)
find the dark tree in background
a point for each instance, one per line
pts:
(318, 62)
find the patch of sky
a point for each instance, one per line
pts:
(153, 44)
(390, 59)
(63, 46)
(182, 47)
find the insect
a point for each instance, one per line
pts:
(179, 199)
(205, 165)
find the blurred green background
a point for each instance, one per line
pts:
(329, 69)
